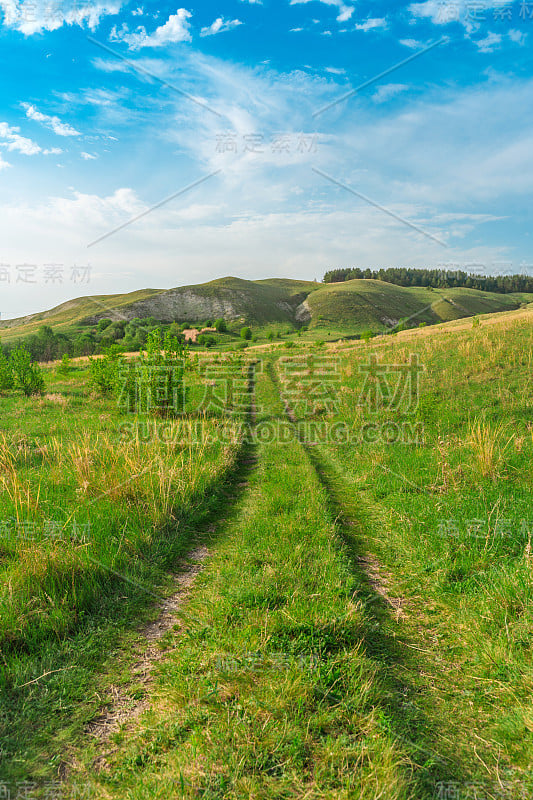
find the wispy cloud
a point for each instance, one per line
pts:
(344, 11)
(389, 90)
(489, 43)
(412, 44)
(371, 24)
(470, 14)
(34, 16)
(51, 122)
(88, 156)
(13, 141)
(220, 25)
(177, 28)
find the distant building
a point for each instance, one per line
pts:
(192, 334)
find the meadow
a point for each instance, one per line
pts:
(361, 626)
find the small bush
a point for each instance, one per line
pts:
(64, 367)
(27, 374)
(246, 333)
(103, 371)
(205, 340)
(220, 325)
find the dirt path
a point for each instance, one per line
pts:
(122, 708)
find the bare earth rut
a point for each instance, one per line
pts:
(122, 708)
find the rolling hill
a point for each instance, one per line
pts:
(345, 308)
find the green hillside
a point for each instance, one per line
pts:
(71, 314)
(337, 309)
(372, 304)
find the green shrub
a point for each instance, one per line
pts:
(206, 340)
(64, 367)
(103, 324)
(153, 383)
(246, 333)
(28, 376)
(220, 325)
(103, 371)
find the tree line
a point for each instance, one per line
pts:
(49, 345)
(435, 278)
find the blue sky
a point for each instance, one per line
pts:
(234, 110)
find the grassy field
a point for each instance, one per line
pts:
(362, 624)
(96, 507)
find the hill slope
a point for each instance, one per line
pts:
(346, 308)
(377, 305)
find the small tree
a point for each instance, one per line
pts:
(27, 374)
(64, 367)
(246, 333)
(157, 377)
(103, 371)
(220, 325)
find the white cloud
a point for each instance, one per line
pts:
(253, 2)
(413, 44)
(137, 12)
(110, 65)
(34, 16)
(519, 37)
(88, 156)
(494, 40)
(388, 90)
(295, 30)
(13, 141)
(371, 24)
(54, 123)
(488, 44)
(345, 11)
(465, 12)
(220, 25)
(176, 29)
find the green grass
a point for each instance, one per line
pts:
(358, 305)
(270, 690)
(450, 519)
(68, 317)
(96, 507)
(363, 625)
